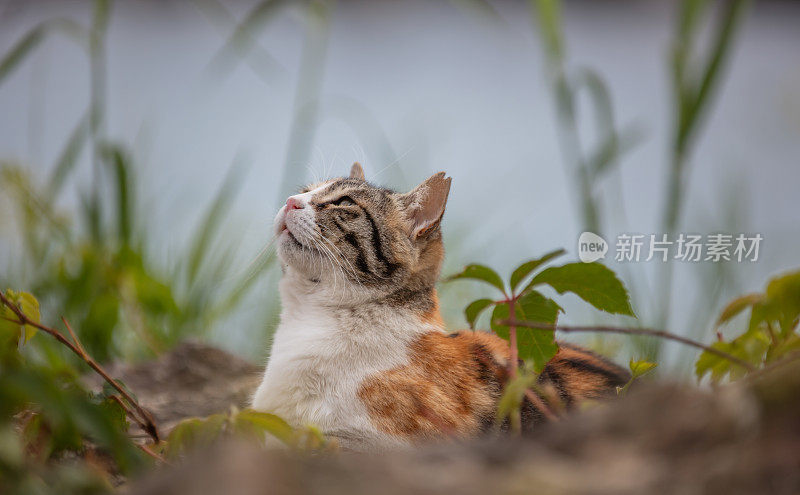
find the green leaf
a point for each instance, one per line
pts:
(12, 452)
(482, 273)
(537, 346)
(783, 294)
(9, 328)
(9, 325)
(536, 307)
(115, 413)
(249, 421)
(108, 390)
(513, 394)
(526, 268)
(790, 345)
(711, 363)
(474, 310)
(313, 438)
(641, 367)
(638, 368)
(30, 306)
(592, 282)
(194, 433)
(750, 346)
(737, 306)
(500, 313)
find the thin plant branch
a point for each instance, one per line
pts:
(152, 454)
(632, 331)
(74, 337)
(513, 356)
(129, 412)
(144, 417)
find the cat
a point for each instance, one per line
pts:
(361, 350)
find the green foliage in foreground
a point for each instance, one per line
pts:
(592, 282)
(638, 368)
(45, 413)
(248, 424)
(48, 416)
(771, 334)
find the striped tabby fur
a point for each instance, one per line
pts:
(361, 349)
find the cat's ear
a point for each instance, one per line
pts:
(424, 206)
(356, 172)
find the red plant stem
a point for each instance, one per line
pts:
(632, 331)
(512, 340)
(74, 337)
(146, 419)
(513, 360)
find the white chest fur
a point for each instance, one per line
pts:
(322, 354)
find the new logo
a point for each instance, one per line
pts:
(591, 247)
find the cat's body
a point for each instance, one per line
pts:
(361, 350)
(322, 355)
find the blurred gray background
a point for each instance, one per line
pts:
(408, 89)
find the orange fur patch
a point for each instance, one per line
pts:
(439, 392)
(452, 383)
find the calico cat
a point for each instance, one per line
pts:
(361, 350)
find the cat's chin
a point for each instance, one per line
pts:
(295, 254)
(289, 248)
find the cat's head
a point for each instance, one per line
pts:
(349, 235)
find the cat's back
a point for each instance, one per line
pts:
(452, 382)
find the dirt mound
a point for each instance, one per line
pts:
(193, 379)
(659, 439)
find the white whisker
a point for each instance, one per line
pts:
(396, 160)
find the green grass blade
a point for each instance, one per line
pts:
(722, 46)
(21, 50)
(257, 58)
(241, 287)
(241, 42)
(203, 236)
(68, 158)
(120, 168)
(480, 9)
(549, 20)
(32, 39)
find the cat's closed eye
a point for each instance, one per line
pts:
(344, 201)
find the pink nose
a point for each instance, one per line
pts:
(293, 204)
